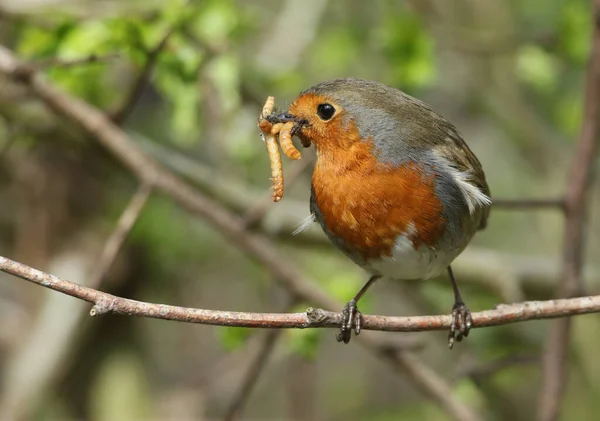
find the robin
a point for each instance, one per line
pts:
(395, 186)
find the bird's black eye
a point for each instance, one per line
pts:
(325, 111)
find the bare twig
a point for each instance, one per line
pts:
(95, 122)
(251, 377)
(554, 370)
(118, 236)
(119, 115)
(106, 303)
(211, 49)
(66, 63)
(518, 204)
(255, 368)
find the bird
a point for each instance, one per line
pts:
(395, 187)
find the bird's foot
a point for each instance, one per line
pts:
(351, 318)
(461, 323)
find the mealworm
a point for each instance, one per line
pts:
(276, 166)
(285, 140)
(276, 128)
(268, 107)
(272, 149)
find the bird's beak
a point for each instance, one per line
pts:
(286, 117)
(299, 124)
(281, 118)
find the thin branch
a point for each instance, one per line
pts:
(119, 115)
(107, 303)
(95, 123)
(251, 377)
(114, 243)
(518, 204)
(554, 363)
(554, 371)
(255, 368)
(66, 63)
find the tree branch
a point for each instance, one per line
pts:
(114, 243)
(107, 303)
(554, 369)
(255, 368)
(66, 63)
(519, 204)
(119, 115)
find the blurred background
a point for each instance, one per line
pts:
(508, 74)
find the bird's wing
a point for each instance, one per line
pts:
(469, 173)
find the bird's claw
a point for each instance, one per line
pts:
(461, 323)
(351, 319)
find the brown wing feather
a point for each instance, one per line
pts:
(458, 153)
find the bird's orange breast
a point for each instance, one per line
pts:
(367, 204)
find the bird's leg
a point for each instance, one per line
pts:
(461, 316)
(351, 316)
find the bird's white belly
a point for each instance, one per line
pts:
(406, 262)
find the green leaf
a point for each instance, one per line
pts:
(181, 90)
(216, 20)
(184, 114)
(176, 12)
(36, 42)
(537, 67)
(334, 53)
(409, 48)
(127, 36)
(575, 30)
(89, 37)
(224, 71)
